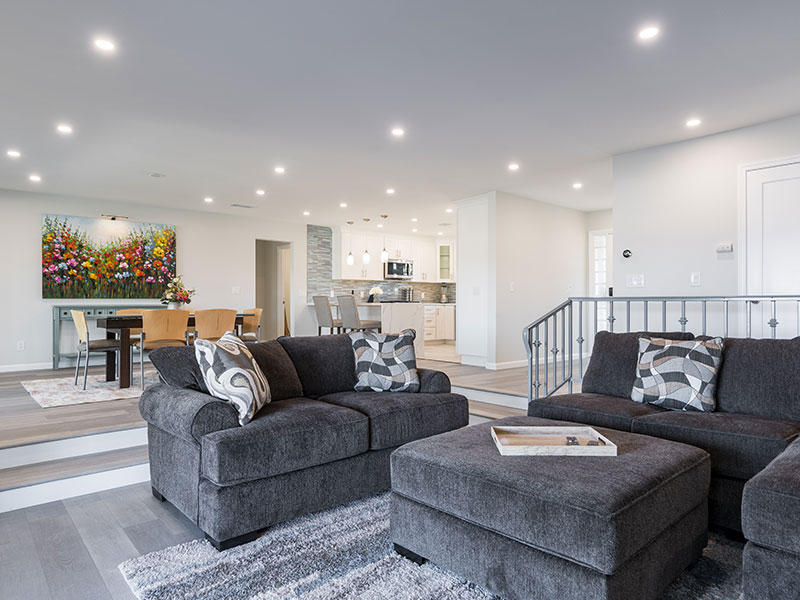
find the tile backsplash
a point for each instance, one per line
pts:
(321, 282)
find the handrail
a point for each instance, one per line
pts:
(552, 333)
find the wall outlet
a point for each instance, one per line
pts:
(694, 279)
(724, 247)
(21, 346)
(236, 290)
(634, 280)
(422, 295)
(511, 287)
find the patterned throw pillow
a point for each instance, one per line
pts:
(385, 363)
(678, 375)
(231, 373)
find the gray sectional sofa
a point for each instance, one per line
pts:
(756, 419)
(317, 444)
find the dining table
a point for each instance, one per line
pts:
(119, 327)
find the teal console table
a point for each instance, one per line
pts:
(92, 312)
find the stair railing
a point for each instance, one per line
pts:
(549, 343)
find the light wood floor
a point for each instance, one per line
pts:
(506, 381)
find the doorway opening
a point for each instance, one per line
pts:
(274, 287)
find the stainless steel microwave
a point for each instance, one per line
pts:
(398, 269)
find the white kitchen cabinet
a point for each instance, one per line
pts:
(374, 244)
(399, 248)
(446, 261)
(423, 252)
(440, 322)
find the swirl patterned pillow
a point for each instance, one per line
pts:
(385, 363)
(678, 375)
(231, 373)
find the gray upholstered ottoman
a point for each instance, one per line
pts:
(559, 527)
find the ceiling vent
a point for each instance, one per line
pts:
(242, 205)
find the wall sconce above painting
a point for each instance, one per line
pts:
(84, 257)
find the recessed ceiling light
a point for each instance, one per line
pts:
(513, 167)
(34, 177)
(380, 225)
(440, 233)
(398, 131)
(648, 33)
(448, 210)
(280, 170)
(260, 192)
(14, 153)
(414, 230)
(208, 199)
(577, 185)
(306, 213)
(414, 220)
(693, 122)
(390, 191)
(342, 204)
(64, 128)
(104, 44)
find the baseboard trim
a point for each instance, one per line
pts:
(511, 364)
(25, 367)
(17, 456)
(498, 398)
(473, 361)
(62, 489)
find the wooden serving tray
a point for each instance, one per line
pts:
(551, 441)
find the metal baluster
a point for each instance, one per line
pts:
(527, 341)
(704, 316)
(537, 343)
(596, 317)
(611, 317)
(564, 345)
(546, 350)
(646, 315)
(555, 350)
(773, 322)
(726, 315)
(570, 349)
(664, 315)
(749, 317)
(798, 317)
(683, 320)
(580, 336)
(627, 316)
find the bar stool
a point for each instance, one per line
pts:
(322, 307)
(350, 318)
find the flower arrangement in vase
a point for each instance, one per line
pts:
(176, 294)
(375, 291)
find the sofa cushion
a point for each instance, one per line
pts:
(325, 364)
(285, 436)
(385, 362)
(596, 511)
(678, 375)
(612, 367)
(771, 503)
(278, 369)
(760, 377)
(177, 366)
(740, 445)
(592, 409)
(396, 418)
(231, 374)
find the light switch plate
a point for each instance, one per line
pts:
(694, 279)
(635, 280)
(724, 247)
(236, 290)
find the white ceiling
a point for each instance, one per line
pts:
(215, 94)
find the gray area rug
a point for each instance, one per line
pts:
(345, 554)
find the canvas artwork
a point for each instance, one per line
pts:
(86, 257)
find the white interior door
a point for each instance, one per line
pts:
(601, 259)
(772, 244)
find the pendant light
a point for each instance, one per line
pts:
(384, 252)
(350, 259)
(365, 258)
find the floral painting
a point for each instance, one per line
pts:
(102, 258)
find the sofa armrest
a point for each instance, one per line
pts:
(771, 503)
(432, 381)
(187, 414)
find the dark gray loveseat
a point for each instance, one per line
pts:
(756, 419)
(317, 444)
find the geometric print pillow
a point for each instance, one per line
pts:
(678, 375)
(385, 363)
(231, 373)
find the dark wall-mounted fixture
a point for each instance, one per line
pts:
(626, 253)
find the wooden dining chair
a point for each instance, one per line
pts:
(322, 306)
(87, 345)
(162, 328)
(350, 319)
(135, 333)
(251, 325)
(213, 324)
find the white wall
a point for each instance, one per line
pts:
(597, 220)
(215, 252)
(673, 204)
(517, 259)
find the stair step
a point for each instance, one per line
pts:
(65, 468)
